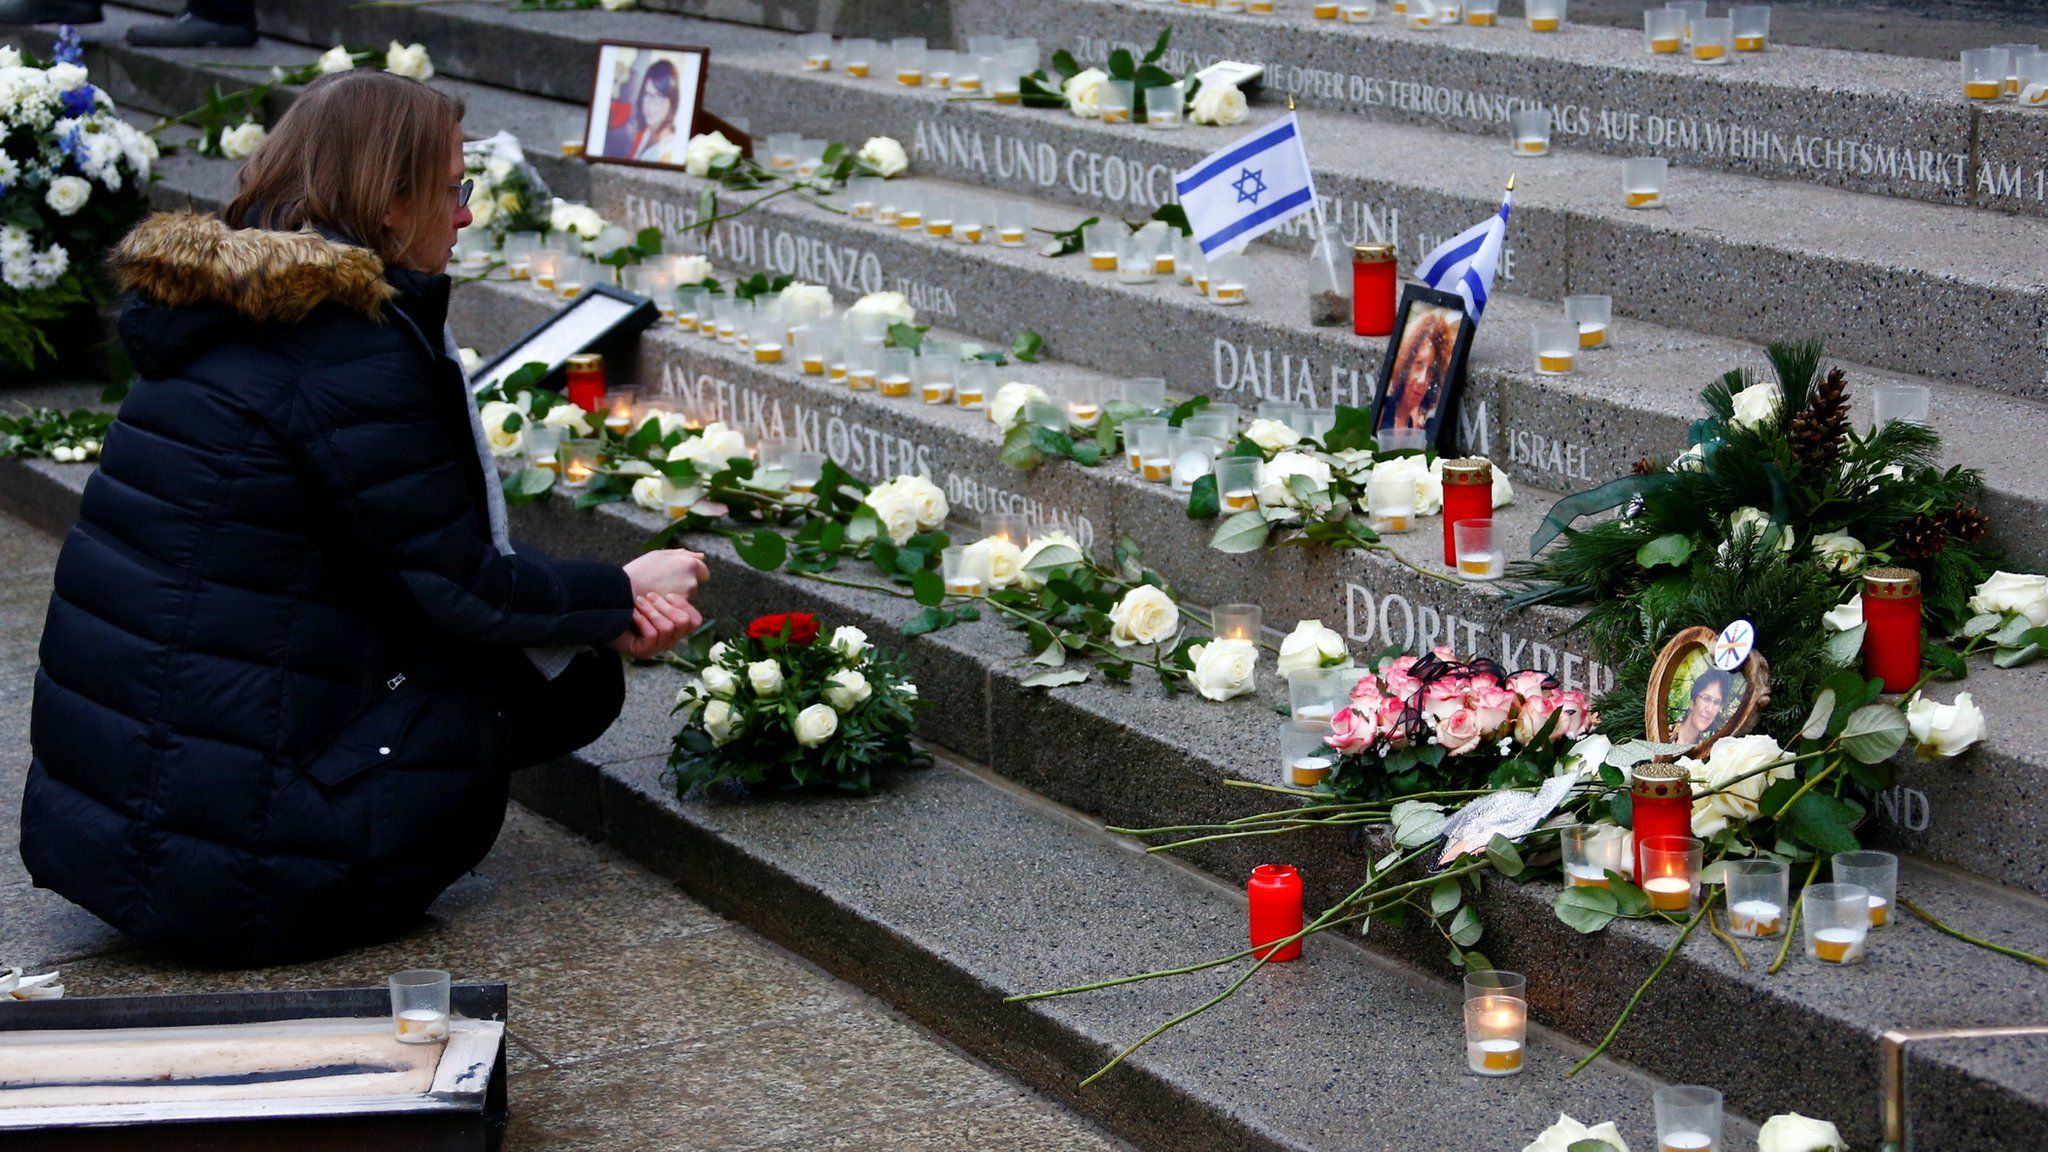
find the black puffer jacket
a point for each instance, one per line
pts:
(266, 724)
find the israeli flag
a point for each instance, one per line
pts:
(1465, 263)
(1249, 188)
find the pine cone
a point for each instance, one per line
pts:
(1922, 538)
(1967, 524)
(1644, 466)
(1816, 433)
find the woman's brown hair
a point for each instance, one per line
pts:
(348, 147)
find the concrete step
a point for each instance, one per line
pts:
(1935, 31)
(1968, 817)
(1803, 1039)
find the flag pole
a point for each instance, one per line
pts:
(1316, 200)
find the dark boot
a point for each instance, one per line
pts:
(189, 31)
(50, 11)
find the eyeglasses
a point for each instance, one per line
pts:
(462, 192)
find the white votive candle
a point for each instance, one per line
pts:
(1494, 1057)
(1686, 1142)
(1585, 876)
(1838, 945)
(1669, 893)
(1755, 918)
(1308, 771)
(1880, 911)
(422, 1026)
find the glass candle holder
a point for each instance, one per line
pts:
(1836, 921)
(938, 67)
(1163, 106)
(1496, 1022)
(909, 209)
(1420, 15)
(768, 337)
(1752, 26)
(1083, 399)
(1116, 100)
(1402, 439)
(1557, 346)
(1022, 51)
(419, 1006)
(1482, 13)
(986, 45)
(518, 253)
(781, 149)
(1688, 1118)
(1046, 414)
(1688, 11)
(938, 216)
(1984, 73)
(1215, 426)
(1875, 872)
(1312, 696)
(906, 57)
(620, 410)
(969, 68)
(1134, 260)
(887, 197)
(543, 445)
(2014, 55)
(1229, 279)
(1194, 266)
(894, 372)
(1013, 225)
(1480, 554)
(1529, 131)
(572, 276)
(971, 216)
(962, 577)
(1316, 423)
(1591, 315)
(1642, 181)
(542, 265)
(1713, 40)
(1390, 501)
(857, 58)
(1545, 15)
(2033, 79)
(1100, 241)
(863, 364)
(1671, 872)
(1358, 11)
(805, 470)
(1591, 851)
(1237, 621)
(1145, 448)
(1005, 82)
(935, 378)
(1007, 526)
(1663, 31)
(1305, 760)
(1193, 458)
(1230, 413)
(1146, 392)
(972, 384)
(1758, 894)
(1907, 402)
(812, 348)
(689, 306)
(1237, 483)
(1279, 411)
(579, 462)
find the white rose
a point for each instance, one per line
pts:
(891, 305)
(241, 141)
(1731, 759)
(2020, 592)
(482, 210)
(848, 641)
(927, 499)
(64, 455)
(1586, 756)
(1844, 616)
(650, 492)
(995, 560)
(1272, 435)
(1053, 539)
(1224, 668)
(766, 677)
(10, 56)
(815, 725)
(704, 152)
(1273, 476)
(893, 508)
(1503, 491)
(847, 690)
(1145, 615)
(719, 719)
(692, 269)
(1309, 646)
(581, 219)
(803, 303)
(498, 168)
(1839, 551)
(616, 5)
(1792, 1132)
(410, 61)
(1559, 1137)
(470, 360)
(1944, 730)
(67, 194)
(568, 417)
(713, 450)
(1006, 408)
(1429, 488)
(719, 682)
(1757, 522)
(884, 155)
(1756, 404)
(1219, 104)
(493, 417)
(716, 653)
(67, 77)
(1084, 92)
(335, 59)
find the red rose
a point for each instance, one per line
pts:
(801, 626)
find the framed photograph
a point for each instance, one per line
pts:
(1693, 702)
(645, 103)
(1424, 370)
(601, 315)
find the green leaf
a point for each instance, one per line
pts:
(1175, 217)
(1983, 624)
(1817, 720)
(1244, 532)
(1019, 451)
(2014, 657)
(764, 550)
(1506, 859)
(1465, 928)
(1415, 822)
(928, 588)
(528, 484)
(1629, 900)
(1122, 65)
(1591, 1146)
(929, 620)
(1947, 662)
(1050, 559)
(1874, 732)
(1586, 910)
(1064, 63)
(1051, 441)
(1844, 647)
(1025, 345)
(1445, 895)
(1057, 677)
(1823, 823)
(1203, 502)
(1053, 656)
(906, 336)
(1673, 548)
(1159, 46)
(1087, 453)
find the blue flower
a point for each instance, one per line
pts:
(69, 50)
(79, 101)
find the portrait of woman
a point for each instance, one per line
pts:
(1421, 369)
(1701, 708)
(645, 104)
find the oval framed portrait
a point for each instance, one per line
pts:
(1693, 702)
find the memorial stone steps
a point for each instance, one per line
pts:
(1934, 31)
(1966, 818)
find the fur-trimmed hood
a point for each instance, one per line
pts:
(181, 259)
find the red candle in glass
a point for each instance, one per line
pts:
(586, 380)
(1891, 627)
(1275, 891)
(1468, 495)
(1660, 804)
(1372, 289)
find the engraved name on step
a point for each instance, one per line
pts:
(1904, 807)
(1017, 160)
(866, 452)
(966, 492)
(1548, 456)
(1377, 620)
(1271, 375)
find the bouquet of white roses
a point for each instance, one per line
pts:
(509, 195)
(777, 708)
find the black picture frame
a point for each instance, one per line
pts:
(1441, 425)
(557, 338)
(598, 107)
